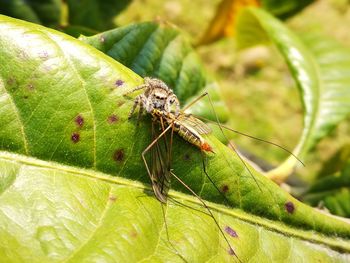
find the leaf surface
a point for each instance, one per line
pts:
(66, 143)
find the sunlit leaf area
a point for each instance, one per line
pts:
(174, 131)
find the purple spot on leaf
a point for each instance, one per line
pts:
(79, 120)
(112, 119)
(231, 252)
(289, 206)
(230, 231)
(119, 82)
(75, 137)
(118, 155)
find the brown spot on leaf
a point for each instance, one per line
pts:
(79, 120)
(112, 198)
(231, 252)
(289, 206)
(118, 155)
(133, 234)
(112, 118)
(75, 137)
(225, 188)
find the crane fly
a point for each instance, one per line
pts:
(162, 104)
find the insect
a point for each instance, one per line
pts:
(161, 103)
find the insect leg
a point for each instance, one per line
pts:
(208, 209)
(222, 131)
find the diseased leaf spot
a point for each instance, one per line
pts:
(230, 231)
(119, 82)
(225, 188)
(133, 234)
(112, 119)
(118, 155)
(289, 206)
(79, 120)
(25, 97)
(231, 252)
(75, 137)
(112, 198)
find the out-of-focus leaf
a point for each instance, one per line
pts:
(37, 11)
(286, 8)
(224, 21)
(332, 192)
(61, 102)
(320, 69)
(95, 14)
(87, 14)
(160, 50)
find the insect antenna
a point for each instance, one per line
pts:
(220, 127)
(255, 138)
(213, 183)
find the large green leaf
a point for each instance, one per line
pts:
(320, 69)
(61, 102)
(161, 50)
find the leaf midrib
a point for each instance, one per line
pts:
(274, 226)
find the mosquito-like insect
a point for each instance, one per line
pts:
(162, 104)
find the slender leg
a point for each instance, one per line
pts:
(136, 103)
(222, 131)
(208, 209)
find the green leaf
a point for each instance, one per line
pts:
(332, 192)
(285, 9)
(36, 11)
(319, 67)
(161, 50)
(68, 15)
(61, 103)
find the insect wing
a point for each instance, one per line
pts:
(160, 166)
(191, 121)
